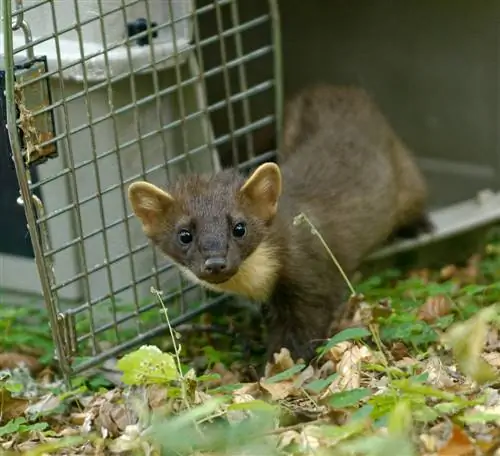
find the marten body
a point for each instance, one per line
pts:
(341, 165)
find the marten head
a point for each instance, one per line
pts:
(215, 227)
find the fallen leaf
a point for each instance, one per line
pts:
(447, 272)
(115, 418)
(45, 404)
(399, 351)
(438, 376)
(282, 362)
(459, 444)
(434, 308)
(493, 358)
(288, 438)
(11, 407)
(279, 390)
(349, 370)
(156, 396)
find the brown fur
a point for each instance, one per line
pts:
(343, 166)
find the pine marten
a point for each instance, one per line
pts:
(342, 165)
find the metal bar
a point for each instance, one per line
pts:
(242, 76)
(25, 192)
(227, 82)
(278, 70)
(160, 118)
(78, 219)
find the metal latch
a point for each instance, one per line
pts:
(33, 99)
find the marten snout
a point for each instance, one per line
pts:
(215, 265)
(216, 271)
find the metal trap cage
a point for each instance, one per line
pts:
(99, 94)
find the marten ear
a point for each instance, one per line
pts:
(263, 189)
(150, 204)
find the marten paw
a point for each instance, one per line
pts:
(423, 225)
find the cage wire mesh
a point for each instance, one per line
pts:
(126, 90)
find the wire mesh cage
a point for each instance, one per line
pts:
(99, 94)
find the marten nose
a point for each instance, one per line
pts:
(215, 265)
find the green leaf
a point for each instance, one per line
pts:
(400, 419)
(447, 408)
(379, 446)
(479, 417)
(208, 377)
(348, 398)
(342, 336)
(286, 374)
(467, 340)
(319, 385)
(34, 427)
(148, 365)
(471, 290)
(421, 378)
(425, 414)
(362, 413)
(12, 426)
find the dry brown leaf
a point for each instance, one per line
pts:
(156, 396)
(430, 442)
(11, 407)
(288, 387)
(448, 271)
(471, 271)
(406, 361)
(288, 438)
(326, 369)
(399, 351)
(280, 390)
(437, 373)
(46, 376)
(459, 444)
(493, 358)
(77, 418)
(337, 351)
(227, 377)
(434, 308)
(422, 274)
(11, 360)
(115, 418)
(492, 339)
(282, 362)
(349, 369)
(249, 389)
(45, 404)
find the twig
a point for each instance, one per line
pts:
(177, 348)
(303, 217)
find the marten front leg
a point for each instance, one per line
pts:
(422, 225)
(300, 325)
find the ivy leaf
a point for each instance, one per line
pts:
(148, 365)
(348, 398)
(286, 374)
(12, 426)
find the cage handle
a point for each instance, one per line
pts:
(21, 24)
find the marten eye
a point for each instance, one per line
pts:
(239, 230)
(185, 237)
